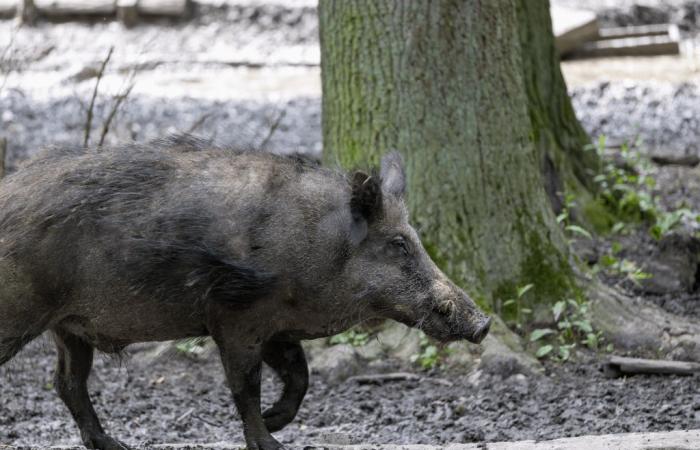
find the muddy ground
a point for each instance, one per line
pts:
(180, 400)
(232, 74)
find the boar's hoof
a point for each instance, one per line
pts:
(278, 417)
(264, 444)
(104, 442)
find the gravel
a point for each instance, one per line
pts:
(658, 117)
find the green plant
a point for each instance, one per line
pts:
(353, 337)
(624, 185)
(572, 327)
(667, 221)
(517, 304)
(564, 218)
(430, 354)
(191, 347)
(626, 188)
(620, 266)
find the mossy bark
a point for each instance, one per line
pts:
(445, 83)
(568, 164)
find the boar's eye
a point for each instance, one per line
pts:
(400, 244)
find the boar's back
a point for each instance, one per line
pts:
(110, 199)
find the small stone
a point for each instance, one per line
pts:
(371, 351)
(337, 363)
(673, 265)
(498, 359)
(399, 341)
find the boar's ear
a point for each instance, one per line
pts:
(365, 203)
(393, 174)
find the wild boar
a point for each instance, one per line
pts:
(176, 239)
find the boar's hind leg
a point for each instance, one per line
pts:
(288, 361)
(242, 363)
(72, 371)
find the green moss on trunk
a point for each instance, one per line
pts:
(446, 83)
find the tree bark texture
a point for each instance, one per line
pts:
(567, 162)
(444, 82)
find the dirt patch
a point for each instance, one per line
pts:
(177, 400)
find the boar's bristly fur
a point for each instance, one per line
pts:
(178, 238)
(171, 252)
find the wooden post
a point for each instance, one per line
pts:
(127, 12)
(26, 11)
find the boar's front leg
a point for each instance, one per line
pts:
(242, 363)
(72, 372)
(288, 361)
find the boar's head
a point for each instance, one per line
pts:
(392, 273)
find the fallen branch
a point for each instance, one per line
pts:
(380, 378)
(88, 122)
(619, 365)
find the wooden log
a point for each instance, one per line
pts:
(62, 8)
(639, 46)
(127, 12)
(8, 8)
(636, 31)
(619, 365)
(573, 27)
(171, 8)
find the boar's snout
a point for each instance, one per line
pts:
(456, 316)
(481, 331)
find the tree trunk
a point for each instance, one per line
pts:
(567, 164)
(445, 83)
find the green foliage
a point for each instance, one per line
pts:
(598, 216)
(571, 328)
(353, 337)
(626, 191)
(614, 265)
(191, 347)
(565, 218)
(515, 306)
(667, 221)
(430, 354)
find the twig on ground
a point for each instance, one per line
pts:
(208, 422)
(380, 378)
(88, 122)
(273, 128)
(118, 100)
(440, 381)
(185, 415)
